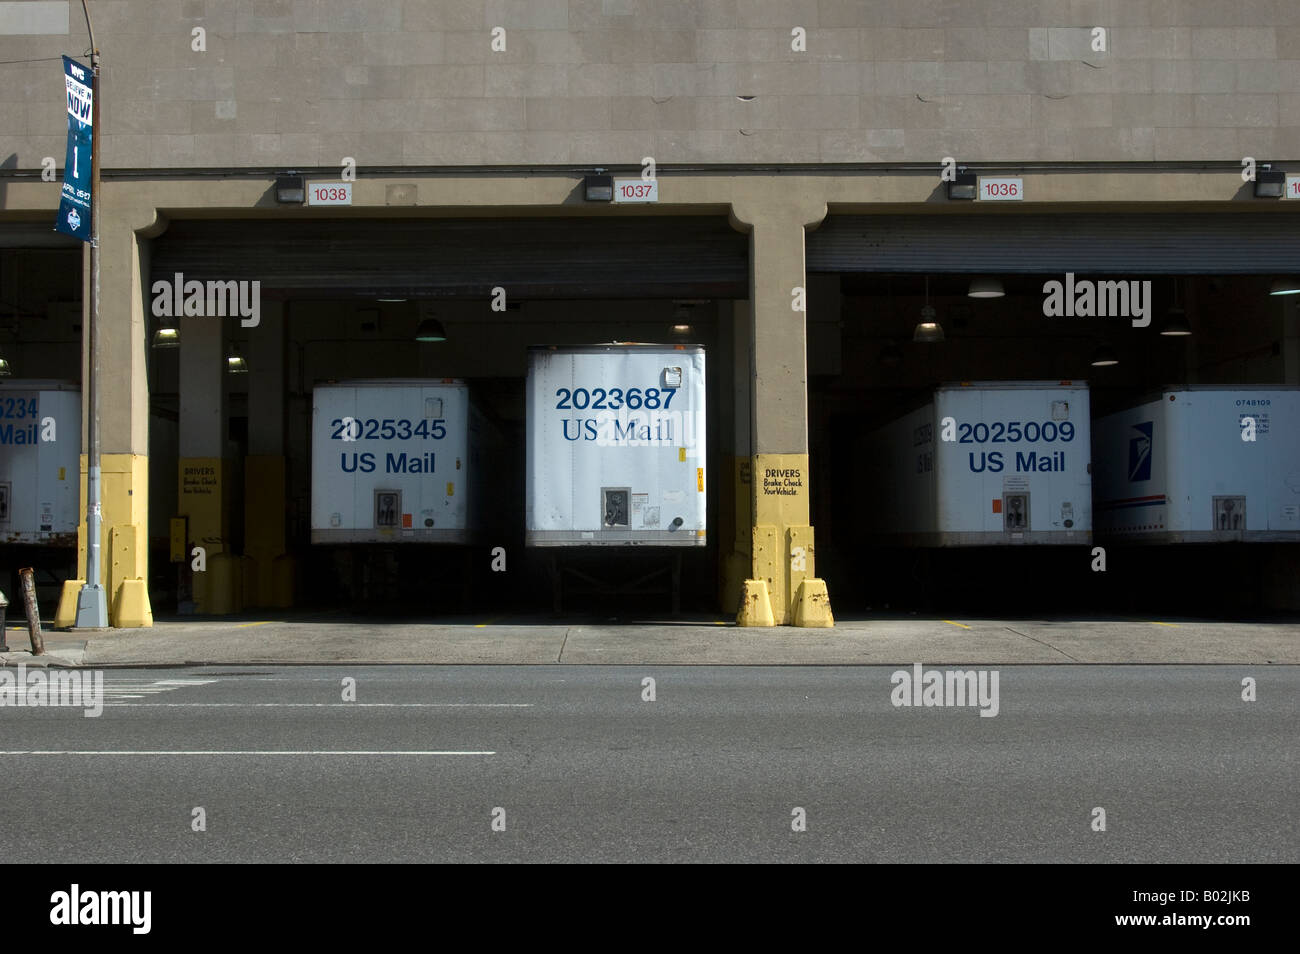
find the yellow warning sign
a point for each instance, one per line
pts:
(699, 479)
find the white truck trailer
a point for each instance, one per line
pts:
(398, 461)
(616, 446)
(40, 462)
(1201, 464)
(981, 464)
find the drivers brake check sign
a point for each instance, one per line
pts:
(74, 202)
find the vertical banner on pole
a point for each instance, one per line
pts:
(74, 205)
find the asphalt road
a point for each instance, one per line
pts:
(712, 770)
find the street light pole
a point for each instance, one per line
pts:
(92, 605)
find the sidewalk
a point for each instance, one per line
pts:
(884, 640)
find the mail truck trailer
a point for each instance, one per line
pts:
(616, 457)
(40, 479)
(399, 461)
(995, 463)
(1201, 464)
(616, 446)
(40, 470)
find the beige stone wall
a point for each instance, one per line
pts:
(303, 83)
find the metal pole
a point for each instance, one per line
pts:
(26, 575)
(92, 606)
(4, 604)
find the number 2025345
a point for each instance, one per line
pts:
(388, 429)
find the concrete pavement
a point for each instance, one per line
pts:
(580, 766)
(876, 640)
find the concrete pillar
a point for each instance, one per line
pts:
(782, 587)
(203, 493)
(737, 521)
(268, 570)
(124, 421)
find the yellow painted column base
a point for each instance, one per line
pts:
(131, 607)
(224, 585)
(813, 605)
(755, 605)
(736, 567)
(65, 617)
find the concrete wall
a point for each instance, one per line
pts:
(294, 83)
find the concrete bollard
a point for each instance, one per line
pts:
(26, 574)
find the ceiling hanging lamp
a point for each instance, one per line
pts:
(928, 330)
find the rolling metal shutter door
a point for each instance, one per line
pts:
(1168, 243)
(661, 256)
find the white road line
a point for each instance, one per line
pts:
(236, 752)
(322, 705)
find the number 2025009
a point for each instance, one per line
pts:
(613, 399)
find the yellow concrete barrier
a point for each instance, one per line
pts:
(65, 617)
(813, 605)
(755, 605)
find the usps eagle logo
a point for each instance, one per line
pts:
(74, 220)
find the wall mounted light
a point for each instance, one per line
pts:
(430, 329)
(986, 288)
(290, 190)
(598, 188)
(964, 186)
(1270, 183)
(5, 370)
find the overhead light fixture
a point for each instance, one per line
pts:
(681, 329)
(928, 330)
(1285, 286)
(390, 299)
(430, 329)
(964, 186)
(1104, 357)
(891, 355)
(986, 288)
(1270, 183)
(290, 190)
(598, 188)
(235, 363)
(1175, 324)
(167, 335)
